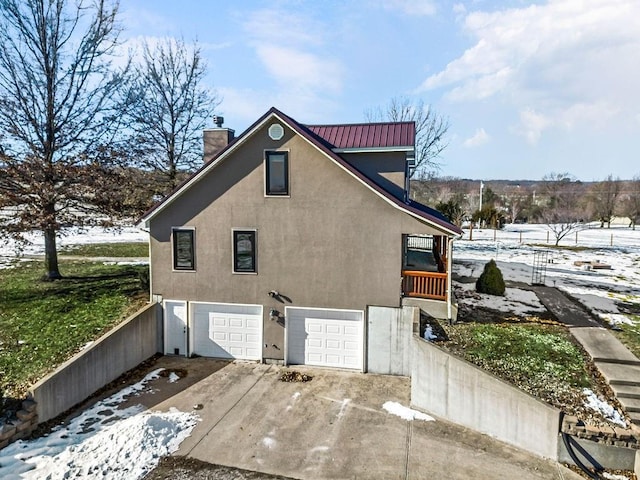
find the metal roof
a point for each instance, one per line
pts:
(367, 135)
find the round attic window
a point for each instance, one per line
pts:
(276, 132)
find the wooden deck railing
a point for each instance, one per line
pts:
(424, 284)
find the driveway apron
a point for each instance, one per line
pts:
(334, 427)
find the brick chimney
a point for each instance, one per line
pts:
(215, 139)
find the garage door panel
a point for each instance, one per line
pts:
(218, 336)
(251, 323)
(335, 344)
(227, 330)
(219, 321)
(333, 338)
(351, 330)
(333, 329)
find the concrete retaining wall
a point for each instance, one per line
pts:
(605, 456)
(389, 335)
(452, 388)
(123, 348)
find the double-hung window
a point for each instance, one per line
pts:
(244, 251)
(277, 173)
(184, 256)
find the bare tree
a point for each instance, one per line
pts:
(562, 212)
(631, 201)
(56, 91)
(431, 128)
(604, 197)
(171, 108)
(516, 199)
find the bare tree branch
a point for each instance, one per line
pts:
(171, 108)
(562, 212)
(431, 128)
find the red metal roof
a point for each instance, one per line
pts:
(367, 135)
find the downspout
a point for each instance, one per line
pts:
(449, 274)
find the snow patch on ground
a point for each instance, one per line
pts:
(600, 291)
(515, 300)
(611, 476)
(269, 442)
(343, 407)
(102, 442)
(428, 333)
(11, 252)
(173, 377)
(607, 411)
(406, 413)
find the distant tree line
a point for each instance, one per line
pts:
(558, 200)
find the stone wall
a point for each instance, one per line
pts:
(618, 436)
(21, 427)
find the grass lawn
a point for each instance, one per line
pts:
(537, 357)
(630, 335)
(118, 250)
(43, 323)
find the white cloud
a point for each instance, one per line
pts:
(411, 7)
(298, 70)
(290, 48)
(279, 26)
(138, 18)
(561, 64)
(532, 124)
(480, 137)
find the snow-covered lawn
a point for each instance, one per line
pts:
(9, 250)
(102, 442)
(602, 291)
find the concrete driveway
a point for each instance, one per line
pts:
(333, 427)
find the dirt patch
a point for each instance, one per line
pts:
(294, 376)
(182, 468)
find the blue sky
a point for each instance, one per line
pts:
(529, 87)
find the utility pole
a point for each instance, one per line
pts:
(480, 207)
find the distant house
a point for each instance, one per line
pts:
(281, 244)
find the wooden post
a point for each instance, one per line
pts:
(612, 239)
(547, 236)
(520, 237)
(576, 238)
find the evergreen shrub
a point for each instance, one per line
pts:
(491, 281)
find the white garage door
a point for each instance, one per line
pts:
(224, 330)
(325, 337)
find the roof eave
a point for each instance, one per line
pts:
(406, 148)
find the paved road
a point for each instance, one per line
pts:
(332, 427)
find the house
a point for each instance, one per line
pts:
(280, 246)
